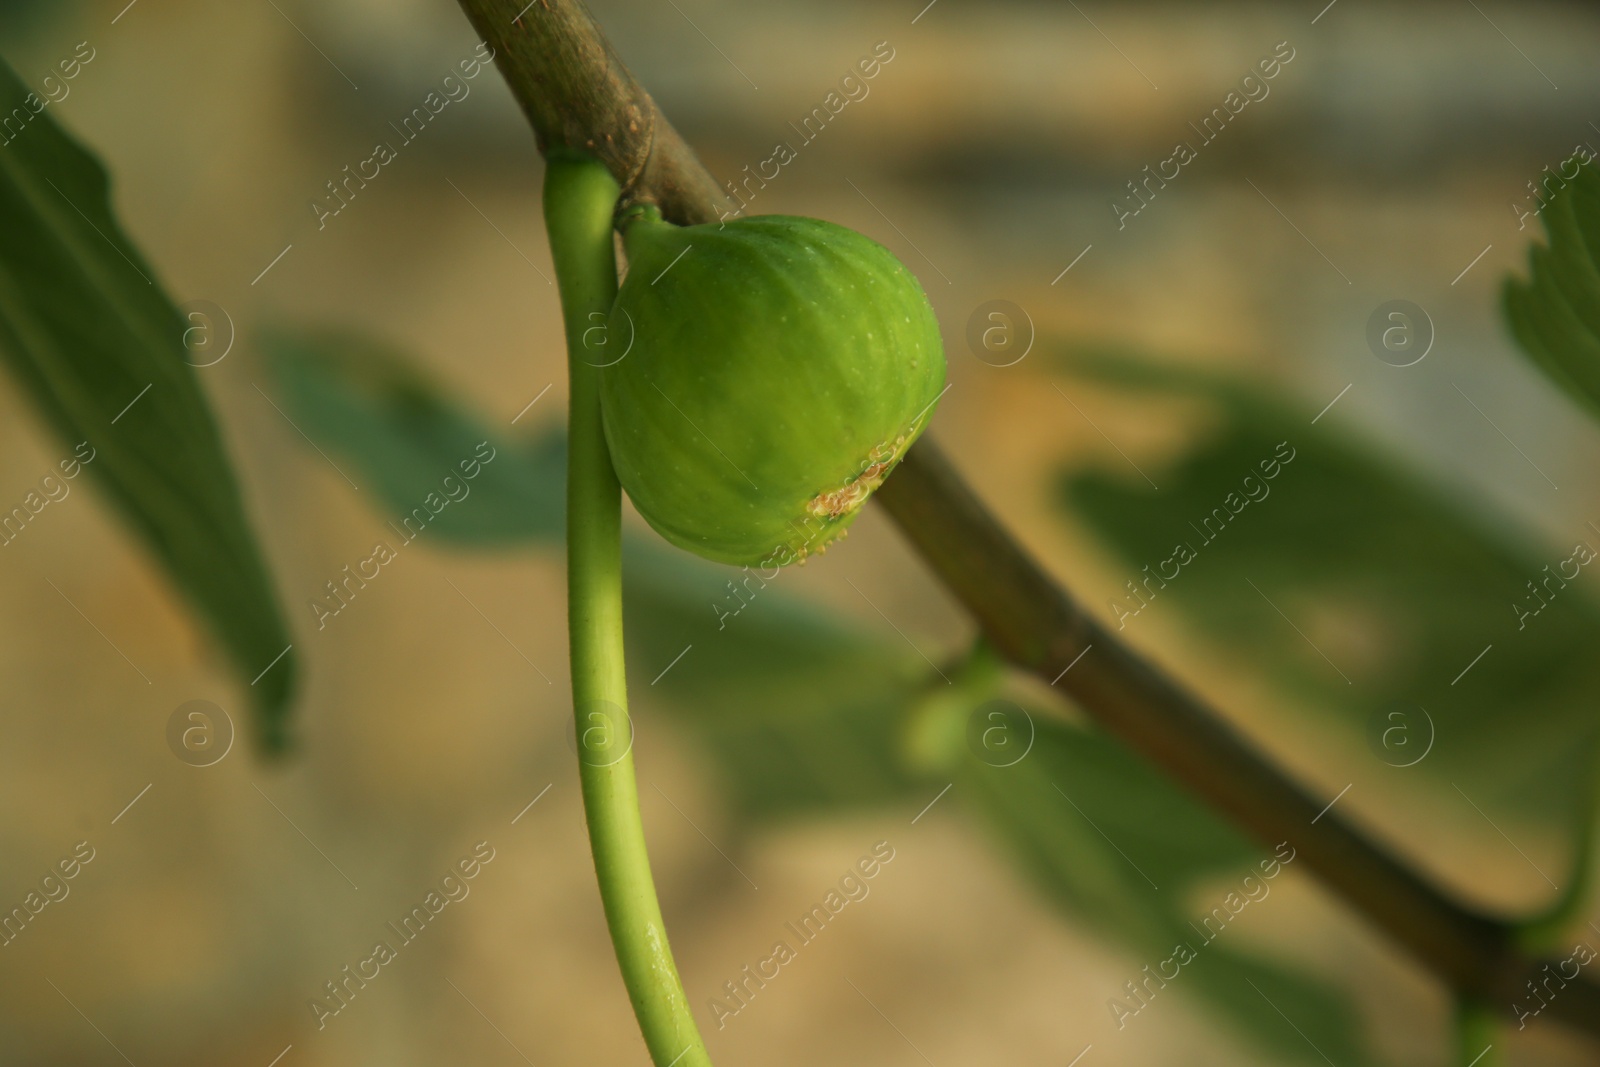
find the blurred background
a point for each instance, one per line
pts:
(1172, 350)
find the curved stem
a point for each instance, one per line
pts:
(579, 197)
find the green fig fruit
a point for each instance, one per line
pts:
(776, 370)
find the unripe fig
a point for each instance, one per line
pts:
(779, 368)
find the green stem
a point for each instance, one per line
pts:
(579, 198)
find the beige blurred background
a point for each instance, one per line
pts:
(985, 155)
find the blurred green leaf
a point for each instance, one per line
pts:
(367, 402)
(1295, 1016)
(1555, 314)
(1037, 806)
(1394, 589)
(1117, 846)
(1165, 837)
(798, 714)
(100, 349)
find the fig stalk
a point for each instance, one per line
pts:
(579, 201)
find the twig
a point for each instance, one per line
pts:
(576, 93)
(1037, 626)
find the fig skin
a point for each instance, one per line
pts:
(776, 370)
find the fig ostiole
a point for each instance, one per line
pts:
(777, 369)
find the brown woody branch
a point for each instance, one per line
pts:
(578, 95)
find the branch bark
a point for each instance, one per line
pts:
(577, 94)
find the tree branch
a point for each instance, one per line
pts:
(1036, 625)
(577, 94)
